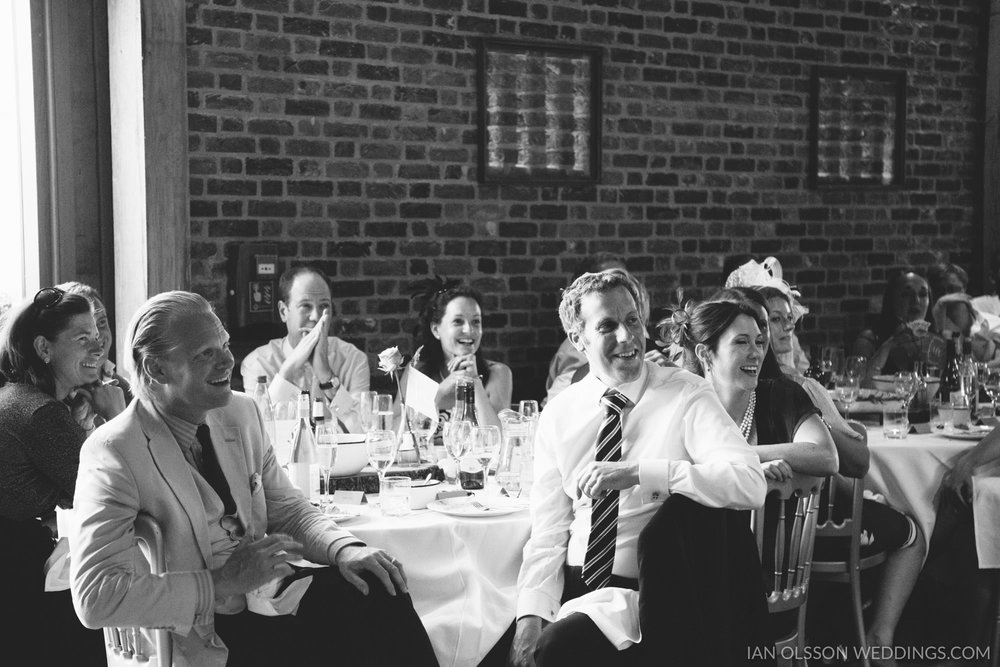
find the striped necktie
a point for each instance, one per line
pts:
(604, 511)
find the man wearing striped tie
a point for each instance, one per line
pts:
(609, 451)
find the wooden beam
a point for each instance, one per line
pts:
(149, 151)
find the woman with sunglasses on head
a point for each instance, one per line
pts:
(449, 340)
(49, 346)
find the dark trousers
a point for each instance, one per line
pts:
(701, 597)
(335, 625)
(44, 624)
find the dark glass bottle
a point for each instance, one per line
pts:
(951, 374)
(815, 370)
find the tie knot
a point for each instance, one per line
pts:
(615, 401)
(203, 433)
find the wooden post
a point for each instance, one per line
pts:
(149, 151)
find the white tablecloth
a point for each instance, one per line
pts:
(462, 574)
(908, 473)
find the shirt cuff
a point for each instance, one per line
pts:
(281, 390)
(205, 606)
(654, 480)
(536, 603)
(335, 547)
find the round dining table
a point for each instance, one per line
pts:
(908, 472)
(462, 573)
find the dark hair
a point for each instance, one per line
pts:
(289, 276)
(19, 362)
(593, 263)
(938, 274)
(433, 296)
(74, 287)
(769, 367)
(886, 323)
(704, 324)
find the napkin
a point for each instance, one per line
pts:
(281, 597)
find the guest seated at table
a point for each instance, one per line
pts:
(769, 274)
(947, 279)
(619, 457)
(885, 529)
(567, 358)
(309, 357)
(902, 334)
(990, 302)
(955, 313)
(193, 455)
(79, 399)
(49, 346)
(449, 338)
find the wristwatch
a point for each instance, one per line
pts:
(329, 384)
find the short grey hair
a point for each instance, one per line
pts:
(151, 332)
(605, 281)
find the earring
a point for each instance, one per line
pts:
(47, 360)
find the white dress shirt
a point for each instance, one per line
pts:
(348, 363)
(684, 441)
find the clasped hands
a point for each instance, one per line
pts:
(256, 562)
(312, 350)
(100, 398)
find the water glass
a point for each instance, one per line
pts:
(510, 481)
(528, 409)
(960, 410)
(486, 448)
(895, 423)
(394, 495)
(381, 450)
(940, 414)
(423, 426)
(383, 413)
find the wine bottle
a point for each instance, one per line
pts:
(951, 376)
(303, 466)
(815, 370)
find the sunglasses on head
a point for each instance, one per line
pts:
(48, 297)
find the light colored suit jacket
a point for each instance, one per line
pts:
(132, 464)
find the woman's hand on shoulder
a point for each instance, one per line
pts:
(108, 399)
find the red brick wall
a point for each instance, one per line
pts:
(345, 131)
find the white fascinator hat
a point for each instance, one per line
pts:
(767, 274)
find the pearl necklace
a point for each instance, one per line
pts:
(747, 422)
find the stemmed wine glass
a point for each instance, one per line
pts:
(905, 385)
(847, 391)
(486, 448)
(365, 401)
(831, 364)
(457, 442)
(382, 446)
(856, 366)
(991, 383)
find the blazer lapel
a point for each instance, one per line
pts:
(169, 460)
(233, 461)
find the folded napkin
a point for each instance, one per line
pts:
(281, 597)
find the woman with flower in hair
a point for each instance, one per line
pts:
(449, 338)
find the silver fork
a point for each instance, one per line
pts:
(479, 506)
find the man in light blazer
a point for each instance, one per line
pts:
(193, 454)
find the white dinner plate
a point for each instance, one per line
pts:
(464, 506)
(972, 433)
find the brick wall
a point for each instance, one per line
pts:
(345, 131)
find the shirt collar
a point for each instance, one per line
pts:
(631, 390)
(184, 432)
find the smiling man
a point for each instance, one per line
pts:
(192, 454)
(308, 357)
(609, 451)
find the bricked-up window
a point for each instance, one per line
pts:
(19, 268)
(858, 121)
(539, 112)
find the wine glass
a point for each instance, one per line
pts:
(486, 448)
(365, 401)
(326, 456)
(457, 441)
(422, 426)
(856, 365)
(830, 364)
(905, 385)
(528, 409)
(992, 385)
(847, 391)
(510, 481)
(382, 412)
(381, 451)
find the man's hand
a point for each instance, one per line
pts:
(254, 563)
(959, 480)
(526, 633)
(354, 560)
(599, 477)
(777, 470)
(321, 352)
(302, 353)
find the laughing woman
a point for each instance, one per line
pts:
(449, 340)
(726, 342)
(49, 346)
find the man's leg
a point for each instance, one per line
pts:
(375, 630)
(575, 641)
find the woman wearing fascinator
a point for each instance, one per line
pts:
(449, 338)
